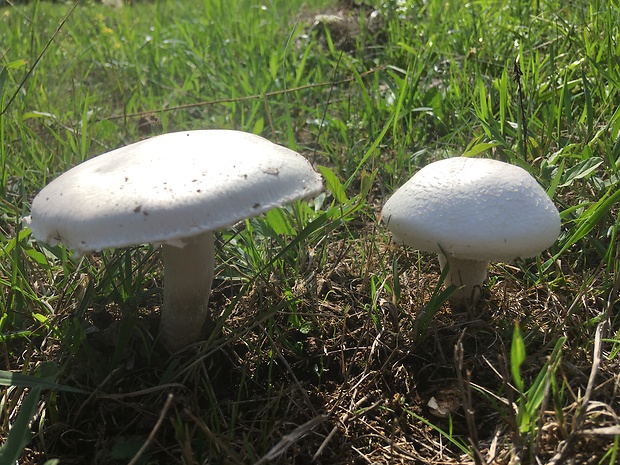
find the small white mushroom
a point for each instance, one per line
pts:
(471, 211)
(173, 190)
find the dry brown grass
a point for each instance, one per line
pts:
(352, 385)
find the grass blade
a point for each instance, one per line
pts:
(8, 378)
(19, 434)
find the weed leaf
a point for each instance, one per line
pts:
(333, 184)
(581, 170)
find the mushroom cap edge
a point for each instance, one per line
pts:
(169, 188)
(473, 208)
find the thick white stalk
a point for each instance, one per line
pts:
(188, 275)
(467, 275)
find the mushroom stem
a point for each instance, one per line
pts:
(188, 275)
(467, 275)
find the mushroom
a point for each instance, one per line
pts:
(471, 211)
(174, 190)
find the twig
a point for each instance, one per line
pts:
(244, 98)
(353, 405)
(343, 420)
(270, 119)
(153, 432)
(566, 446)
(468, 408)
(602, 431)
(222, 447)
(94, 394)
(596, 362)
(362, 455)
(36, 61)
(613, 294)
(303, 392)
(141, 392)
(327, 102)
(289, 439)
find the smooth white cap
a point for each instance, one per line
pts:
(473, 208)
(167, 188)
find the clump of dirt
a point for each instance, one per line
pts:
(346, 24)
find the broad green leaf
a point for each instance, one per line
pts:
(581, 170)
(36, 256)
(333, 184)
(37, 114)
(4, 73)
(479, 148)
(259, 125)
(16, 64)
(278, 221)
(40, 318)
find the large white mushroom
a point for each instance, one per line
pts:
(471, 211)
(173, 190)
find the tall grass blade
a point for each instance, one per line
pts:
(8, 378)
(19, 434)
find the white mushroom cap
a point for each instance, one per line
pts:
(168, 188)
(475, 209)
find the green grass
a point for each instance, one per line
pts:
(325, 331)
